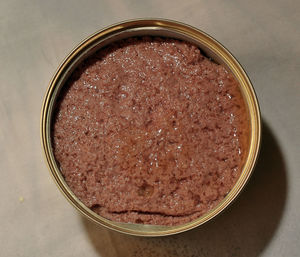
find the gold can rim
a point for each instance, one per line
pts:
(153, 25)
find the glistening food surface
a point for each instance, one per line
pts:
(148, 130)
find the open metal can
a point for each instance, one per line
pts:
(161, 28)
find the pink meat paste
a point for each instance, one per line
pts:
(149, 130)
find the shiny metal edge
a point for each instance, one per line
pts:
(204, 41)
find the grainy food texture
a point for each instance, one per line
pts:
(149, 130)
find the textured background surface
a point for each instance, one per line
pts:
(34, 38)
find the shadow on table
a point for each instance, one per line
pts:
(244, 229)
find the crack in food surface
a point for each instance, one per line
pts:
(148, 130)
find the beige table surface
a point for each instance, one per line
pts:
(36, 220)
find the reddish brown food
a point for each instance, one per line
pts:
(148, 130)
